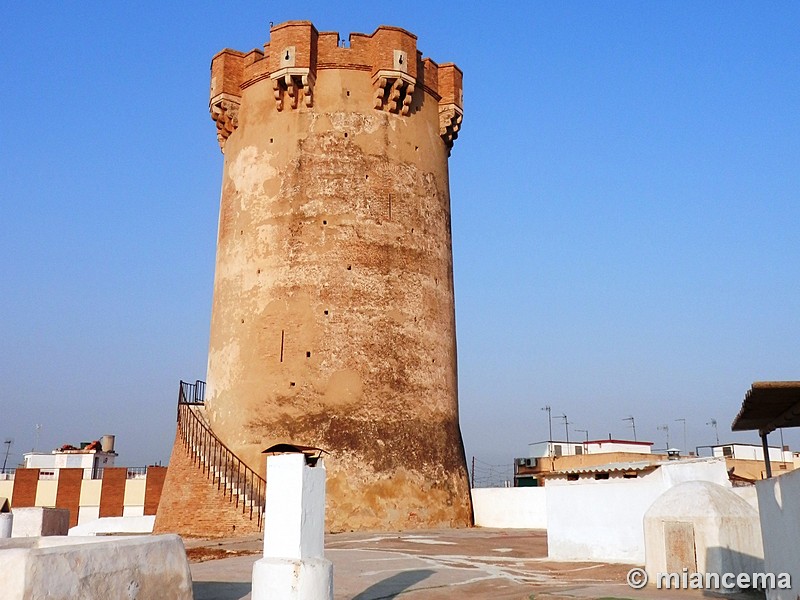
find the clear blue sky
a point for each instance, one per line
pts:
(624, 198)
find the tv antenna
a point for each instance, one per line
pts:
(665, 429)
(685, 446)
(38, 428)
(585, 432)
(713, 423)
(633, 425)
(549, 421)
(566, 425)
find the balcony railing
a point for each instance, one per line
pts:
(88, 473)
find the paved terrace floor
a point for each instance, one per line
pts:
(432, 565)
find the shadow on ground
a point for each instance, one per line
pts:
(220, 590)
(393, 586)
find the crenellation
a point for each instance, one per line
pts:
(227, 72)
(297, 51)
(253, 56)
(451, 85)
(227, 69)
(451, 104)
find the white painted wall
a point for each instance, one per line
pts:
(6, 488)
(748, 494)
(602, 520)
(546, 449)
(510, 508)
(753, 452)
(38, 522)
(87, 514)
(605, 446)
(779, 510)
(115, 525)
(74, 459)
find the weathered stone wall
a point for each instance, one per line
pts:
(333, 315)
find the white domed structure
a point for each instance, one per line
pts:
(702, 527)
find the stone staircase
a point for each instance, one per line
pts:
(234, 480)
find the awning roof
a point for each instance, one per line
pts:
(608, 468)
(769, 405)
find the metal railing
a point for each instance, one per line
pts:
(88, 473)
(137, 473)
(192, 393)
(237, 482)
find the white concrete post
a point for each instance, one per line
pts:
(294, 566)
(6, 523)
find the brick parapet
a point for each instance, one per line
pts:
(112, 492)
(68, 494)
(25, 483)
(297, 51)
(153, 488)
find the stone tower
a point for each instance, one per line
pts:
(333, 316)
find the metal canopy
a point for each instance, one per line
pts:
(769, 405)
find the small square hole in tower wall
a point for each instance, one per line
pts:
(308, 354)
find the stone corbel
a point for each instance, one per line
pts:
(225, 113)
(289, 83)
(450, 117)
(394, 91)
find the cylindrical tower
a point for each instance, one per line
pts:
(333, 319)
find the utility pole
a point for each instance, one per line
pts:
(685, 446)
(8, 443)
(713, 423)
(549, 422)
(633, 425)
(472, 484)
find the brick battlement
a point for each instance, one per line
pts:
(296, 53)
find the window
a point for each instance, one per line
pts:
(727, 451)
(578, 450)
(557, 450)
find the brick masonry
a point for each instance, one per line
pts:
(192, 506)
(25, 483)
(68, 494)
(112, 492)
(153, 487)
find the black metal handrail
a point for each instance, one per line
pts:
(235, 479)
